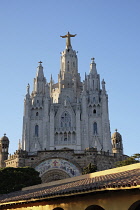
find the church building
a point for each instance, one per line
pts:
(65, 124)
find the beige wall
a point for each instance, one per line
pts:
(109, 200)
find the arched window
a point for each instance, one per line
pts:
(65, 119)
(135, 206)
(65, 137)
(36, 113)
(68, 65)
(95, 128)
(94, 111)
(36, 130)
(94, 207)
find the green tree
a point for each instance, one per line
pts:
(136, 156)
(89, 169)
(14, 179)
(128, 161)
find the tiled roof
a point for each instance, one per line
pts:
(128, 179)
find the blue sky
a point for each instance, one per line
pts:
(107, 30)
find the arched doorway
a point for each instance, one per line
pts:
(94, 207)
(54, 175)
(135, 206)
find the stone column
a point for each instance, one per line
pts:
(51, 128)
(78, 133)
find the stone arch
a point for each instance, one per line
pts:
(135, 206)
(56, 166)
(94, 207)
(54, 175)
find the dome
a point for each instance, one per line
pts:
(4, 138)
(116, 135)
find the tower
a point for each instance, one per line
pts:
(95, 111)
(67, 114)
(4, 146)
(117, 146)
(36, 105)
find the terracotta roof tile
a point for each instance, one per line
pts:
(117, 180)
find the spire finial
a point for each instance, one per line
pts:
(116, 129)
(19, 145)
(40, 62)
(67, 36)
(92, 60)
(28, 89)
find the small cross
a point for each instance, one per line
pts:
(55, 163)
(40, 62)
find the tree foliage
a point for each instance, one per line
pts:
(128, 161)
(14, 179)
(136, 156)
(89, 169)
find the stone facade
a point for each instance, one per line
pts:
(77, 161)
(69, 113)
(66, 122)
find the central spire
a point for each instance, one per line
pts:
(68, 41)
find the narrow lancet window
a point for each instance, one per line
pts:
(36, 130)
(95, 128)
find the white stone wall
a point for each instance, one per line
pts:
(85, 102)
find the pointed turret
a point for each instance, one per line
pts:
(103, 86)
(94, 78)
(51, 79)
(69, 76)
(51, 84)
(19, 145)
(28, 92)
(40, 73)
(28, 89)
(39, 81)
(93, 66)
